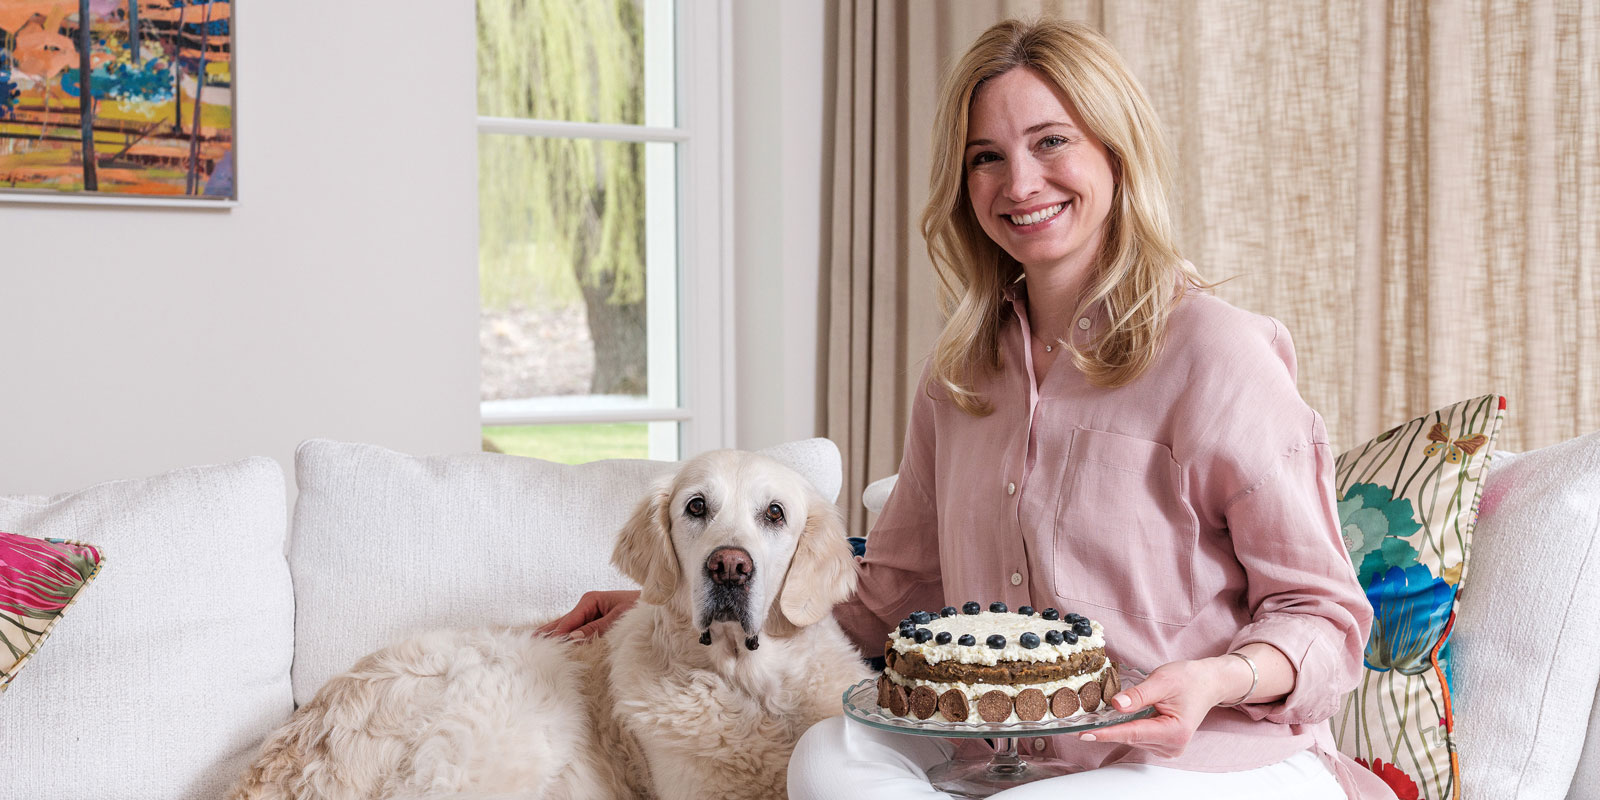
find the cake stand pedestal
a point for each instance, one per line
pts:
(1007, 767)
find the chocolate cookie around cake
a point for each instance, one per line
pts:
(972, 665)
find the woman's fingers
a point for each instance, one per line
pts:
(586, 611)
(1159, 686)
(1132, 698)
(603, 624)
(593, 615)
(1164, 735)
(591, 630)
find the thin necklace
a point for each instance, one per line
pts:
(1050, 347)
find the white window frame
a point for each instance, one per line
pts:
(704, 317)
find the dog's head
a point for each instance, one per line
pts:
(737, 537)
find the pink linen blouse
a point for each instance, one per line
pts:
(1191, 512)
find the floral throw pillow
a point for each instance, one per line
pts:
(39, 578)
(1408, 501)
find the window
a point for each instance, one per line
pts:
(605, 331)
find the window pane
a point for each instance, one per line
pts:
(577, 268)
(574, 444)
(607, 61)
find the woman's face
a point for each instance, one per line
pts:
(1040, 183)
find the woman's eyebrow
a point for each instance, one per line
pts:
(1030, 131)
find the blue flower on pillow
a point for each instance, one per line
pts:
(1410, 609)
(1374, 523)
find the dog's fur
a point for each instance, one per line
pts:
(647, 710)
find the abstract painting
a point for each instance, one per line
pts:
(117, 98)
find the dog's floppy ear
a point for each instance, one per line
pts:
(822, 571)
(644, 546)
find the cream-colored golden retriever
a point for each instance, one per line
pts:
(700, 690)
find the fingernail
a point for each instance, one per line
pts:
(575, 635)
(1088, 737)
(1122, 701)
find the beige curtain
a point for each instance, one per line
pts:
(1412, 187)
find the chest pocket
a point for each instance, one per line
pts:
(1125, 535)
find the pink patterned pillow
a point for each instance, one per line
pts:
(39, 578)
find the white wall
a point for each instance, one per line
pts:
(338, 300)
(778, 134)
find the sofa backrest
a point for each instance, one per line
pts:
(385, 545)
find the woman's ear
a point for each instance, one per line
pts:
(823, 570)
(644, 546)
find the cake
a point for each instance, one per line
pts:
(972, 665)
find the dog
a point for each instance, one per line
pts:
(699, 690)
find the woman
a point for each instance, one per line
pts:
(1166, 479)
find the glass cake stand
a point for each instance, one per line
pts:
(1006, 768)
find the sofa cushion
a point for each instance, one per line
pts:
(1527, 648)
(386, 545)
(175, 666)
(39, 580)
(1408, 501)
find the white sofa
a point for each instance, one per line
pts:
(213, 615)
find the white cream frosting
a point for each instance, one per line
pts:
(976, 690)
(1008, 624)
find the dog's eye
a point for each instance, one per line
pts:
(696, 506)
(775, 513)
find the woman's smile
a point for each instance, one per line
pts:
(1037, 219)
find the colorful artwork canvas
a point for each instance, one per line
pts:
(117, 98)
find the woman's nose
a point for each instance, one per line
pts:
(1023, 179)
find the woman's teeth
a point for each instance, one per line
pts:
(1038, 216)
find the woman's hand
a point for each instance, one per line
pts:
(1182, 692)
(592, 616)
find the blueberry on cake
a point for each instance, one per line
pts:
(997, 665)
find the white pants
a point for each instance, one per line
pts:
(842, 759)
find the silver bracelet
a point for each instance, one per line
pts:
(1255, 676)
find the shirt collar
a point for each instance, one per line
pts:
(1016, 293)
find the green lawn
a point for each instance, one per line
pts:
(572, 444)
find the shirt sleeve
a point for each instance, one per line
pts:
(899, 572)
(1302, 592)
(1265, 474)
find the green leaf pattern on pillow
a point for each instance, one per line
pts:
(1375, 525)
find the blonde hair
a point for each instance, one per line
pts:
(1138, 268)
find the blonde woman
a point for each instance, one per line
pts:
(1097, 433)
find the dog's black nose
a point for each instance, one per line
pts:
(730, 566)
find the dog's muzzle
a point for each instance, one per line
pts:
(730, 570)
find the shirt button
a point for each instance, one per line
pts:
(1016, 579)
(1083, 323)
(1011, 488)
(1038, 744)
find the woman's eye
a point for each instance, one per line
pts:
(1052, 141)
(775, 513)
(696, 506)
(983, 158)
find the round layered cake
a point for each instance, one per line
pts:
(995, 665)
